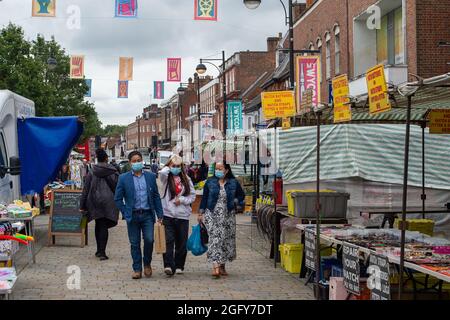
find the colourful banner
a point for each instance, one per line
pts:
(125, 69)
(278, 104)
(43, 8)
(126, 8)
(77, 67)
(307, 76)
(174, 69)
(234, 116)
(158, 90)
(206, 126)
(122, 89)
(205, 10)
(341, 100)
(377, 89)
(88, 93)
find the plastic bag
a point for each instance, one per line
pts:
(194, 243)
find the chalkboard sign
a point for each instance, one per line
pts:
(310, 249)
(350, 260)
(378, 281)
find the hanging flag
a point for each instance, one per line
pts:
(77, 67)
(307, 76)
(88, 93)
(158, 89)
(43, 8)
(205, 10)
(123, 89)
(126, 69)
(174, 69)
(126, 8)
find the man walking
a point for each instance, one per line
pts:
(138, 199)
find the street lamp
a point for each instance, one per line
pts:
(252, 4)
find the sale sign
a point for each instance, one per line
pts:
(307, 77)
(278, 104)
(76, 67)
(341, 100)
(174, 69)
(377, 89)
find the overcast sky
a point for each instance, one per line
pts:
(164, 28)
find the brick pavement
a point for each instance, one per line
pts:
(252, 275)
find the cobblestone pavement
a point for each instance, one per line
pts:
(252, 275)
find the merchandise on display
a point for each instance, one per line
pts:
(7, 278)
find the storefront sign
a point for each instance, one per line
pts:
(341, 100)
(234, 116)
(350, 260)
(278, 104)
(377, 90)
(378, 282)
(310, 249)
(440, 121)
(307, 76)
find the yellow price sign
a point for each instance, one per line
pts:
(440, 121)
(341, 100)
(377, 89)
(278, 104)
(286, 123)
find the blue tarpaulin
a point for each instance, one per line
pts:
(44, 146)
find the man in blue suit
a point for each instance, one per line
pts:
(137, 197)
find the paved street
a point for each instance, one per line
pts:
(252, 275)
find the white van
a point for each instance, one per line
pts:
(164, 157)
(12, 107)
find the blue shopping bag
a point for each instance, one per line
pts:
(194, 243)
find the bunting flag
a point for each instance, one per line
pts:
(43, 8)
(77, 67)
(174, 69)
(158, 90)
(126, 69)
(122, 89)
(88, 93)
(205, 10)
(126, 8)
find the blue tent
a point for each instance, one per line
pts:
(44, 146)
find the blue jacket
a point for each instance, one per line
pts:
(124, 196)
(211, 190)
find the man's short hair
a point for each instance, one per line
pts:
(134, 153)
(101, 154)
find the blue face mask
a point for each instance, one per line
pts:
(175, 171)
(137, 166)
(219, 174)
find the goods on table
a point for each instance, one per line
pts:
(21, 209)
(7, 278)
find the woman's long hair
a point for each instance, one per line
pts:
(184, 180)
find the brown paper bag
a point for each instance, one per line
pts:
(160, 238)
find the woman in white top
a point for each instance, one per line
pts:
(178, 195)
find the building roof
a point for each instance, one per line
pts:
(281, 72)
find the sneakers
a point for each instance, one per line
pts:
(136, 275)
(148, 271)
(168, 271)
(179, 271)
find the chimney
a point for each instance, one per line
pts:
(300, 8)
(309, 3)
(272, 43)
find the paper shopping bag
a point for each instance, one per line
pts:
(160, 238)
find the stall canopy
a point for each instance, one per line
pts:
(44, 146)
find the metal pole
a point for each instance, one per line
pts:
(291, 46)
(318, 116)
(405, 197)
(424, 196)
(224, 104)
(275, 239)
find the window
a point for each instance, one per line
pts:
(337, 50)
(327, 56)
(390, 39)
(153, 128)
(311, 46)
(3, 154)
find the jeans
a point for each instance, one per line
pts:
(101, 234)
(143, 222)
(177, 231)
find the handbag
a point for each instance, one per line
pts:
(194, 243)
(204, 234)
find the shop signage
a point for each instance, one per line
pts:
(378, 282)
(307, 76)
(278, 104)
(310, 249)
(377, 90)
(341, 100)
(286, 123)
(234, 116)
(350, 260)
(440, 121)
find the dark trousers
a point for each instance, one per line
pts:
(101, 234)
(177, 231)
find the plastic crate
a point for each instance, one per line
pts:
(290, 200)
(333, 204)
(291, 257)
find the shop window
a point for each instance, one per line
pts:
(327, 57)
(337, 51)
(390, 39)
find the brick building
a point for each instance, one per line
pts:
(145, 132)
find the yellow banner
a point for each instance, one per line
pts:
(126, 69)
(278, 104)
(341, 100)
(286, 124)
(43, 8)
(378, 93)
(76, 67)
(440, 121)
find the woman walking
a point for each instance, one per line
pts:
(179, 194)
(98, 200)
(222, 196)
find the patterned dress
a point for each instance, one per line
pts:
(221, 226)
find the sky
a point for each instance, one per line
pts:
(163, 29)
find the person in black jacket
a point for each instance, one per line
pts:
(98, 200)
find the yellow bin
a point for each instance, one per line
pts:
(291, 257)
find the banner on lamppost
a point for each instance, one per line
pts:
(77, 67)
(125, 69)
(278, 104)
(206, 126)
(43, 8)
(234, 116)
(126, 8)
(158, 90)
(122, 89)
(341, 100)
(174, 69)
(307, 76)
(377, 90)
(205, 10)
(88, 93)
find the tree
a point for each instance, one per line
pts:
(24, 70)
(113, 131)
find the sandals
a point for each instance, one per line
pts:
(216, 272)
(222, 270)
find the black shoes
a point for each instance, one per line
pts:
(101, 256)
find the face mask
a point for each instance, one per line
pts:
(137, 166)
(219, 174)
(175, 171)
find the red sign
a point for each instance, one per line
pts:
(307, 77)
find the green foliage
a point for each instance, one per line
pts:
(24, 70)
(113, 131)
